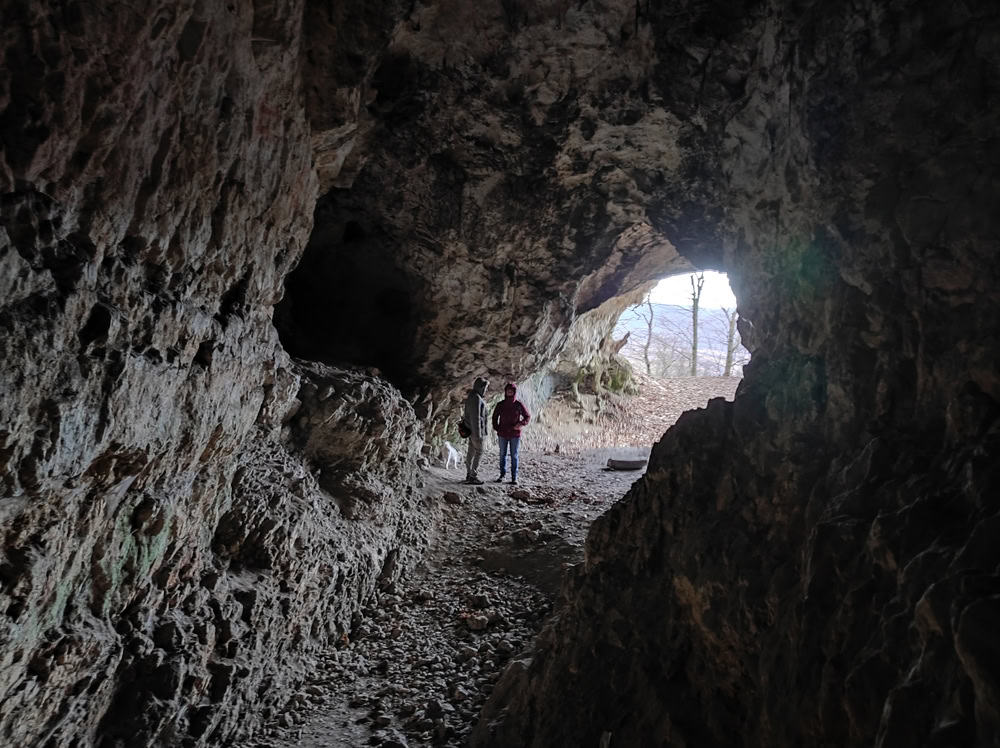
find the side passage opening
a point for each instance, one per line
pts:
(348, 302)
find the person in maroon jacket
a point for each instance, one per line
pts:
(509, 416)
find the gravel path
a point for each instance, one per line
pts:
(418, 668)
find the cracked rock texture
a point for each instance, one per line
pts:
(510, 151)
(169, 558)
(817, 562)
(418, 193)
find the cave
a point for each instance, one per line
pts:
(253, 254)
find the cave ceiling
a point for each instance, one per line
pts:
(491, 172)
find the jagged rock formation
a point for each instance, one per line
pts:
(169, 558)
(510, 153)
(187, 513)
(815, 564)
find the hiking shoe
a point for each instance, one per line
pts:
(513, 481)
(499, 480)
(474, 481)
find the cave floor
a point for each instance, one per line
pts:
(419, 667)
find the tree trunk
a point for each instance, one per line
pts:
(696, 284)
(730, 342)
(649, 336)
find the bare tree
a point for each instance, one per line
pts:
(731, 341)
(648, 316)
(643, 310)
(663, 339)
(669, 361)
(697, 282)
(718, 342)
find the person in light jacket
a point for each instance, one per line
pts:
(509, 416)
(475, 419)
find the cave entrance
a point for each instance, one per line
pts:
(684, 327)
(644, 389)
(683, 348)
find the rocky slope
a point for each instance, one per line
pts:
(438, 190)
(569, 424)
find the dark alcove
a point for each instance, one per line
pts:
(348, 302)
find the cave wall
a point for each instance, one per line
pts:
(186, 514)
(815, 563)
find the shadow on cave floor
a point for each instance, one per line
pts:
(419, 666)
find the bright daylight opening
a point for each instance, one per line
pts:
(685, 327)
(672, 352)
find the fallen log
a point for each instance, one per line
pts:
(626, 464)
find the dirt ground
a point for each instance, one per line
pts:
(572, 425)
(419, 667)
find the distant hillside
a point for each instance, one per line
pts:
(670, 347)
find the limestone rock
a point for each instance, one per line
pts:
(797, 567)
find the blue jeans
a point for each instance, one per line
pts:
(514, 444)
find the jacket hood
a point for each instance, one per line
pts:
(509, 386)
(479, 386)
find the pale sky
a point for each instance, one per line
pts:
(677, 290)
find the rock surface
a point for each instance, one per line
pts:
(155, 188)
(802, 566)
(170, 557)
(502, 196)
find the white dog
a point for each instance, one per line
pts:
(451, 455)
